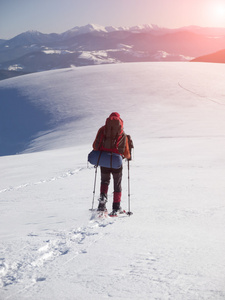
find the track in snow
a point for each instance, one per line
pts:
(37, 253)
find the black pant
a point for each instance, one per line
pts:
(117, 177)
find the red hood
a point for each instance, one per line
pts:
(115, 114)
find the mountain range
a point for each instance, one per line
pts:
(33, 51)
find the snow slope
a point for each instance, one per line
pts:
(173, 246)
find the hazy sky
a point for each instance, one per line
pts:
(46, 16)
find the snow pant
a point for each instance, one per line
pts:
(117, 180)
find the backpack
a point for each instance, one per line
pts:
(113, 132)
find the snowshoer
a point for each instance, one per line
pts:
(112, 138)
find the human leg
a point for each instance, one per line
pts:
(117, 178)
(105, 180)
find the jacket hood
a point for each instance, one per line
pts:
(115, 114)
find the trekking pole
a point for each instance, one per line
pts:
(128, 165)
(95, 180)
(96, 167)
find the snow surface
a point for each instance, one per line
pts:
(173, 246)
(52, 51)
(98, 57)
(16, 67)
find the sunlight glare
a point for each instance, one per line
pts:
(219, 11)
(216, 13)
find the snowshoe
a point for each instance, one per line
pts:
(116, 212)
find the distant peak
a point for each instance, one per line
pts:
(87, 28)
(145, 27)
(95, 27)
(33, 32)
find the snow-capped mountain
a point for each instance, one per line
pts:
(77, 30)
(30, 37)
(33, 51)
(98, 28)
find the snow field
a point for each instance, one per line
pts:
(172, 247)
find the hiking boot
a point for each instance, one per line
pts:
(116, 206)
(116, 209)
(102, 202)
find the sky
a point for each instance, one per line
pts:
(47, 16)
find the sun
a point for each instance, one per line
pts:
(219, 11)
(216, 13)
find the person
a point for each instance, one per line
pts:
(112, 138)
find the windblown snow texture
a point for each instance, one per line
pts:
(173, 246)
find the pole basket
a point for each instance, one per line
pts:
(129, 213)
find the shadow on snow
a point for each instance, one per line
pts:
(20, 121)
